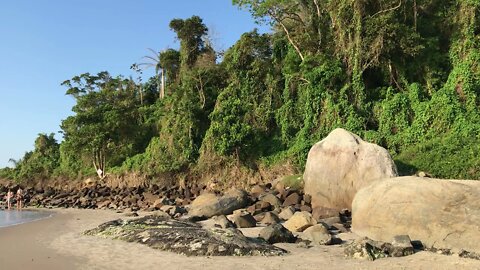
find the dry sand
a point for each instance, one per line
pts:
(58, 243)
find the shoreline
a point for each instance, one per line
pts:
(51, 214)
(58, 243)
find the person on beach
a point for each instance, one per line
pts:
(9, 198)
(19, 198)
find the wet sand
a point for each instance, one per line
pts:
(58, 243)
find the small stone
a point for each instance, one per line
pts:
(276, 233)
(365, 249)
(263, 206)
(292, 199)
(287, 213)
(318, 235)
(219, 222)
(330, 221)
(401, 246)
(306, 208)
(271, 199)
(323, 212)
(307, 198)
(244, 220)
(131, 214)
(339, 227)
(256, 191)
(299, 222)
(270, 218)
(252, 209)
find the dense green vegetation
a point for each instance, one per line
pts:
(402, 74)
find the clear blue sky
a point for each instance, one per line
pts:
(44, 42)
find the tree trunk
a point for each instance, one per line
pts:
(162, 83)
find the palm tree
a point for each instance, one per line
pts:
(154, 61)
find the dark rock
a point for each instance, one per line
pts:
(244, 220)
(270, 218)
(184, 237)
(271, 199)
(307, 198)
(263, 206)
(292, 199)
(276, 233)
(306, 208)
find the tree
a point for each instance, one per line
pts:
(190, 32)
(107, 126)
(155, 62)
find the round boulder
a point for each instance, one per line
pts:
(340, 165)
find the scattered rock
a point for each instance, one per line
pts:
(366, 249)
(340, 165)
(287, 213)
(318, 235)
(131, 214)
(276, 233)
(257, 190)
(339, 227)
(292, 199)
(270, 218)
(271, 199)
(299, 222)
(209, 205)
(244, 220)
(401, 246)
(218, 222)
(322, 212)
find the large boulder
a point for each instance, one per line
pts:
(208, 205)
(340, 165)
(442, 214)
(184, 237)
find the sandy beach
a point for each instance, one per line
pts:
(58, 243)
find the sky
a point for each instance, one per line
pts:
(45, 42)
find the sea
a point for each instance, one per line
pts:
(14, 217)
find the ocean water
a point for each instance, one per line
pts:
(13, 217)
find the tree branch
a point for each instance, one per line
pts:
(389, 9)
(285, 29)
